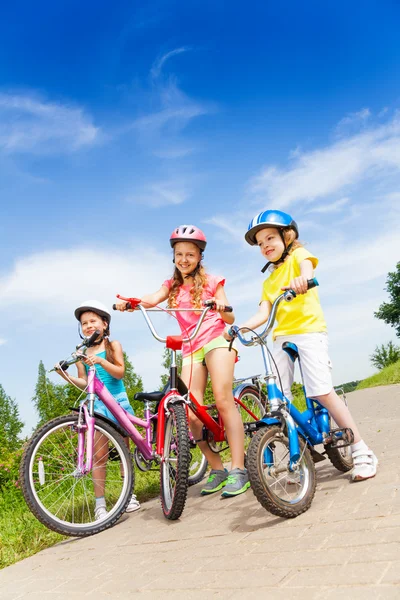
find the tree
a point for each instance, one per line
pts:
(10, 423)
(385, 355)
(133, 383)
(52, 400)
(390, 311)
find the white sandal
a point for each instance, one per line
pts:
(365, 464)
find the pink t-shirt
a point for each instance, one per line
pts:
(212, 326)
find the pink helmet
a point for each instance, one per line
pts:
(188, 233)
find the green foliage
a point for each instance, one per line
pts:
(133, 383)
(385, 355)
(298, 396)
(52, 400)
(10, 424)
(9, 468)
(386, 376)
(350, 386)
(390, 311)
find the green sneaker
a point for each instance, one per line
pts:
(237, 483)
(215, 482)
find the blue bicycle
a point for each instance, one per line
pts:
(281, 454)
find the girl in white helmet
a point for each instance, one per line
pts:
(107, 356)
(207, 354)
(301, 322)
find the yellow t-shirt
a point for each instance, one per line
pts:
(302, 315)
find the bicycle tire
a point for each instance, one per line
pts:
(174, 479)
(57, 494)
(265, 482)
(253, 399)
(198, 464)
(341, 458)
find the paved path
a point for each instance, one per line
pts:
(346, 546)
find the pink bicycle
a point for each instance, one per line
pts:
(59, 471)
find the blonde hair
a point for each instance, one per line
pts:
(289, 236)
(199, 282)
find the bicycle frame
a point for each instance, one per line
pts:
(313, 423)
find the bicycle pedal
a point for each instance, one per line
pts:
(339, 437)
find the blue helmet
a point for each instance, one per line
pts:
(269, 218)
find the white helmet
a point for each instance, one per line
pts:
(93, 306)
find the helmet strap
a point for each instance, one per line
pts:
(285, 253)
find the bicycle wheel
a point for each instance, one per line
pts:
(175, 462)
(341, 458)
(283, 493)
(62, 496)
(252, 399)
(198, 464)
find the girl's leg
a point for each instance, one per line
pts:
(220, 364)
(365, 461)
(198, 382)
(340, 412)
(100, 457)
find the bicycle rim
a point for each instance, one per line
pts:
(63, 497)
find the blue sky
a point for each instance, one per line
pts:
(119, 122)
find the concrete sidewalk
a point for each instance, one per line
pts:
(346, 546)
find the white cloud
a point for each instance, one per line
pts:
(2, 342)
(161, 193)
(323, 172)
(356, 119)
(28, 124)
(52, 283)
(159, 63)
(329, 208)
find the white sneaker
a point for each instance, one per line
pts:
(100, 513)
(133, 504)
(365, 464)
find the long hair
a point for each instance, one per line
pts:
(199, 282)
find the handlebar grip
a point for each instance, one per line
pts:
(312, 283)
(128, 306)
(211, 304)
(92, 338)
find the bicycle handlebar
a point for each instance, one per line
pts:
(288, 296)
(135, 303)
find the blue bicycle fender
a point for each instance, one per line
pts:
(294, 446)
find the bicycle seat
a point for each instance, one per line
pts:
(291, 349)
(151, 396)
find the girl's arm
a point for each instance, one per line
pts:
(299, 284)
(80, 381)
(116, 369)
(260, 317)
(220, 302)
(149, 300)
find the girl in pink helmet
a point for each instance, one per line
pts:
(189, 286)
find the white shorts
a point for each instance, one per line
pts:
(316, 365)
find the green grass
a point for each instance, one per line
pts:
(387, 376)
(22, 535)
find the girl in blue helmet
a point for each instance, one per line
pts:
(301, 322)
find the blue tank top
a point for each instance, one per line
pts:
(114, 386)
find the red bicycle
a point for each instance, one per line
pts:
(248, 395)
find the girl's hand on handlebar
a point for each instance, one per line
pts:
(92, 359)
(298, 285)
(122, 306)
